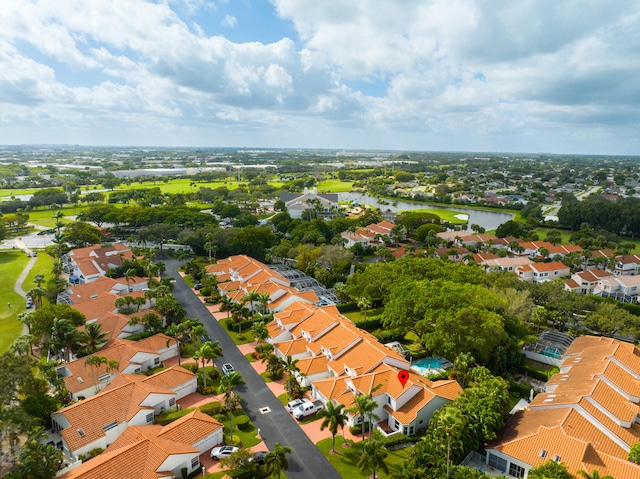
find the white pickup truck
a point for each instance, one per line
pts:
(307, 409)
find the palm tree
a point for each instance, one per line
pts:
(264, 299)
(250, 297)
(595, 474)
(364, 304)
(161, 267)
(129, 275)
(65, 337)
(449, 423)
(276, 461)
(363, 406)
(373, 456)
(228, 384)
(93, 337)
(36, 294)
(239, 313)
(333, 418)
(38, 279)
(260, 332)
(26, 318)
(208, 352)
(226, 304)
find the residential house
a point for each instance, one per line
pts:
(83, 381)
(585, 281)
(353, 238)
(626, 265)
(79, 293)
(324, 204)
(153, 451)
(128, 400)
(541, 272)
(85, 265)
(623, 288)
(504, 264)
(587, 418)
(402, 408)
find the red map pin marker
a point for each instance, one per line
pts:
(403, 377)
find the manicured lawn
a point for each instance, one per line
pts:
(46, 217)
(335, 186)
(346, 459)
(248, 436)
(43, 265)
(359, 315)
(445, 215)
(11, 265)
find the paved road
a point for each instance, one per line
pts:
(306, 461)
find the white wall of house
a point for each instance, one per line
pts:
(210, 441)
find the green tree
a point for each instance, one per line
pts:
(207, 352)
(37, 459)
(373, 456)
(93, 337)
(334, 418)
(65, 338)
(595, 474)
(364, 406)
(449, 423)
(634, 453)
(276, 461)
(228, 384)
(550, 470)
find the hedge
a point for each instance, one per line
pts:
(369, 324)
(347, 307)
(242, 422)
(168, 418)
(193, 367)
(212, 408)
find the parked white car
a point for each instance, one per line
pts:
(307, 409)
(222, 451)
(291, 405)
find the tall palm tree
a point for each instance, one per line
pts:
(276, 461)
(228, 384)
(38, 279)
(65, 337)
(162, 268)
(226, 304)
(250, 298)
(334, 418)
(239, 313)
(363, 406)
(128, 276)
(208, 352)
(449, 424)
(92, 337)
(264, 299)
(36, 294)
(373, 456)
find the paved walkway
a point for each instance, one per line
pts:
(18, 287)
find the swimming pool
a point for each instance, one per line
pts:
(427, 365)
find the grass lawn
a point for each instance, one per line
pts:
(334, 186)
(46, 217)
(11, 265)
(43, 265)
(248, 435)
(266, 377)
(238, 338)
(446, 215)
(346, 459)
(359, 315)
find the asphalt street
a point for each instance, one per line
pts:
(275, 423)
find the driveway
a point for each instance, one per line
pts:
(263, 407)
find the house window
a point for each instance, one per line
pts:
(397, 424)
(195, 462)
(515, 470)
(388, 399)
(111, 425)
(497, 462)
(137, 371)
(172, 402)
(156, 361)
(149, 417)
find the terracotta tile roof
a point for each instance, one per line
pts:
(313, 365)
(140, 451)
(96, 307)
(552, 266)
(571, 284)
(128, 391)
(292, 347)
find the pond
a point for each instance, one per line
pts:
(489, 220)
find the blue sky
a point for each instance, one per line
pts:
(527, 76)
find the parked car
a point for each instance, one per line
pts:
(197, 286)
(29, 302)
(291, 405)
(227, 368)
(222, 451)
(307, 409)
(258, 457)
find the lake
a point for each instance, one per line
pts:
(489, 220)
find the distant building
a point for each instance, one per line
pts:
(324, 204)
